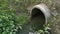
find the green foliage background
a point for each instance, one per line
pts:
(9, 21)
(14, 13)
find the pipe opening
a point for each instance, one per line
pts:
(37, 18)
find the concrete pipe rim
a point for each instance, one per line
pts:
(43, 15)
(44, 9)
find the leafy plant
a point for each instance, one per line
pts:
(8, 20)
(44, 31)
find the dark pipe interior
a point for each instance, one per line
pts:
(37, 19)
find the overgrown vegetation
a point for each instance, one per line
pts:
(13, 14)
(8, 21)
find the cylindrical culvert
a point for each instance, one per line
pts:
(39, 16)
